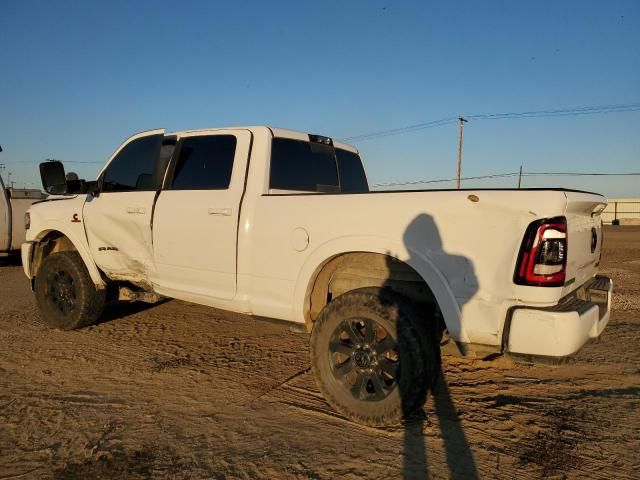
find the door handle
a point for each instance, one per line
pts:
(226, 212)
(136, 209)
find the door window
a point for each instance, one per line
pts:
(135, 168)
(204, 163)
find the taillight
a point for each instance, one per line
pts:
(542, 260)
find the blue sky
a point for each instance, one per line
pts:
(77, 77)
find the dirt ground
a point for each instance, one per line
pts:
(182, 391)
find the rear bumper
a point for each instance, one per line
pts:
(562, 330)
(26, 252)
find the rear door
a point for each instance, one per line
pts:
(584, 232)
(195, 223)
(118, 220)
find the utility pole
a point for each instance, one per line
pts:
(462, 122)
(520, 177)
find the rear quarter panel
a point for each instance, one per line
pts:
(470, 246)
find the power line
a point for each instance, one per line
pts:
(441, 180)
(407, 129)
(575, 111)
(506, 175)
(586, 110)
(579, 174)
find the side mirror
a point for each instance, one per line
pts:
(53, 177)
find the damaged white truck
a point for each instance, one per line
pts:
(282, 224)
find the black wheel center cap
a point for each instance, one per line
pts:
(64, 291)
(362, 359)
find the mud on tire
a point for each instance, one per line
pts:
(66, 295)
(372, 356)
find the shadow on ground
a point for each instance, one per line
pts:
(460, 461)
(120, 310)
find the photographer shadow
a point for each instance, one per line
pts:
(460, 273)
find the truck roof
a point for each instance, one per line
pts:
(275, 131)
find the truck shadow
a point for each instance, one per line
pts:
(11, 260)
(460, 274)
(115, 310)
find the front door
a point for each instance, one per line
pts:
(195, 223)
(118, 220)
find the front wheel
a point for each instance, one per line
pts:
(371, 357)
(66, 295)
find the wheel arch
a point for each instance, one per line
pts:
(54, 240)
(356, 262)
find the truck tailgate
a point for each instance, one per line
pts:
(584, 232)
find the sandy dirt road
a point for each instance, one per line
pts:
(182, 391)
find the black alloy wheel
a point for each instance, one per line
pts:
(66, 295)
(364, 358)
(372, 357)
(61, 292)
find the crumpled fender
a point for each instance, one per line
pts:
(79, 243)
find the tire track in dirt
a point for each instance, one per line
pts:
(185, 391)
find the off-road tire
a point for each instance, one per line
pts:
(76, 305)
(417, 352)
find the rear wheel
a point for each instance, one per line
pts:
(371, 357)
(66, 295)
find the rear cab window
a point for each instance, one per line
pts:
(314, 166)
(352, 176)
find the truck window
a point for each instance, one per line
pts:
(300, 165)
(204, 163)
(135, 167)
(352, 176)
(166, 152)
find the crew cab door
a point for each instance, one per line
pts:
(118, 220)
(195, 223)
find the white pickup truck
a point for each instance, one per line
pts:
(282, 224)
(14, 203)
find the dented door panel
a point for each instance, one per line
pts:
(118, 228)
(118, 220)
